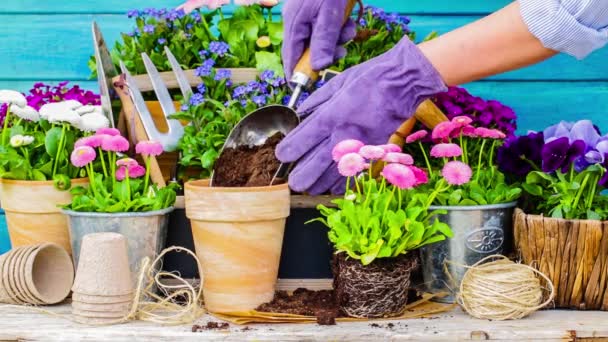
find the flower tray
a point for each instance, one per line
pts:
(572, 253)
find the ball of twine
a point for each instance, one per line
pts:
(502, 289)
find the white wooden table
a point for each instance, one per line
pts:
(24, 325)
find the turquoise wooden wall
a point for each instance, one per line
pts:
(42, 40)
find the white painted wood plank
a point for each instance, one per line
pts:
(23, 324)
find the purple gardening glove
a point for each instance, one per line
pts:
(318, 24)
(367, 102)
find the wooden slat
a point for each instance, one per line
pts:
(57, 47)
(121, 6)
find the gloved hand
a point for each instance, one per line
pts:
(367, 102)
(316, 24)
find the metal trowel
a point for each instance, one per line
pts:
(256, 127)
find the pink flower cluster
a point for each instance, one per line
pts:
(353, 157)
(458, 126)
(110, 140)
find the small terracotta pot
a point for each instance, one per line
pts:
(49, 273)
(21, 276)
(6, 293)
(3, 294)
(18, 274)
(29, 203)
(7, 278)
(238, 235)
(103, 266)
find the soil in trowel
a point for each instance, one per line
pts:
(320, 304)
(246, 166)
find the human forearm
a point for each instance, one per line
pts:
(497, 43)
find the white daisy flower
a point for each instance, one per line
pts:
(27, 139)
(68, 116)
(92, 122)
(85, 109)
(26, 113)
(49, 110)
(12, 97)
(72, 104)
(16, 140)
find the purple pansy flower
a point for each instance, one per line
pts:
(560, 154)
(518, 154)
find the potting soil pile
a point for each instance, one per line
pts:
(320, 304)
(247, 166)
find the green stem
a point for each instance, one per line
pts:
(127, 179)
(464, 154)
(491, 160)
(59, 149)
(103, 163)
(388, 202)
(91, 174)
(426, 159)
(147, 176)
(579, 193)
(589, 199)
(479, 159)
(399, 193)
(5, 127)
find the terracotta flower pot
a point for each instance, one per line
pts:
(238, 236)
(572, 253)
(28, 204)
(377, 290)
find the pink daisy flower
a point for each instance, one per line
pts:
(135, 171)
(461, 121)
(456, 173)
(388, 148)
(115, 143)
(107, 131)
(468, 131)
(442, 131)
(421, 176)
(399, 175)
(149, 148)
(128, 162)
(344, 147)
(82, 156)
(400, 158)
(351, 164)
(93, 141)
(416, 136)
(372, 152)
(446, 151)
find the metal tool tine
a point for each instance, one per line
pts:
(168, 142)
(105, 71)
(166, 102)
(182, 80)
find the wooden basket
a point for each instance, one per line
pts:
(163, 166)
(572, 253)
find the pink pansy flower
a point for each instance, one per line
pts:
(191, 5)
(456, 173)
(400, 158)
(399, 175)
(82, 156)
(344, 147)
(388, 148)
(442, 131)
(416, 136)
(421, 176)
(351, 164)
(149, 148)
(462, 121)
(115, 143)
(372, 152)
(107, 131)
(446, 151)
(128, 162)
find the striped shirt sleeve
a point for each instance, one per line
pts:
(574, 27)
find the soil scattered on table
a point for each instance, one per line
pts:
(210, 326)
(247, 166)
(320, 304)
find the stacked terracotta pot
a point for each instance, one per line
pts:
(38, 274)
(102, 291)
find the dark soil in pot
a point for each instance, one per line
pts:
(248, 166)
(379, 289)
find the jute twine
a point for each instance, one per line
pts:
(180, 303)
(502, 289)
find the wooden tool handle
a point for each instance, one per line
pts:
(304, 65)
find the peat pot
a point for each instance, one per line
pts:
(32, 212)
(145, 232)
(572, 253)
(377, 290)
(479, 231)
(238, 235)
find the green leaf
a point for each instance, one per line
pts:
(275, 33)
(51, 141)
(268, 61)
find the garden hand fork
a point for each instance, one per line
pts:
(169, 139)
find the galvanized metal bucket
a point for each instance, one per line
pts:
(146, 232)
(479, 231)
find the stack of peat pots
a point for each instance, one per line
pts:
(37, 274)
(103, 290)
